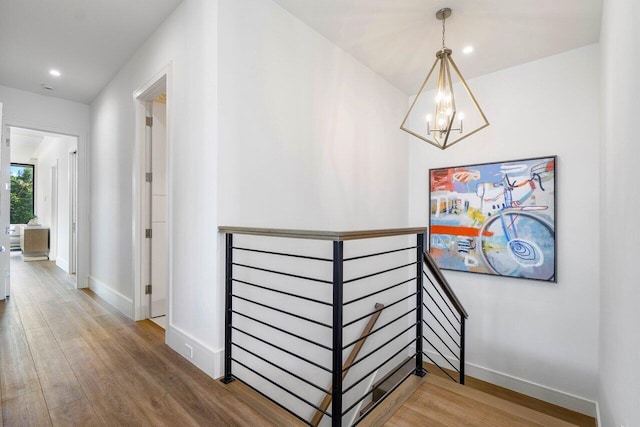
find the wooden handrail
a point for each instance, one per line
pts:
(322, 235)
(352, 357)
(431, 264)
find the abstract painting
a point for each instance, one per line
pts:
(495, 218)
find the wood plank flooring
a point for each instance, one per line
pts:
(67, 358)
(573, 417)
(441, 402)
(532, 403)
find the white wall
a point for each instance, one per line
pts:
(29, 110)
(619, 387)
(187, 40)
(522, 333)
(54, 151)
(303, 146)
(309, 137)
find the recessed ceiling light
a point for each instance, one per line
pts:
(467, 50)
(54, 72)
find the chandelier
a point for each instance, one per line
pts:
(437, 114)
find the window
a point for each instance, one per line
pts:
(22, 186)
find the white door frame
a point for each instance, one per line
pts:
(53, 211)
(5, 285)
(141, 205)
(84, 243)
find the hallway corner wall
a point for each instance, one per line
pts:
(33, 111)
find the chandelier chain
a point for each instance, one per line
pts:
(443, 19)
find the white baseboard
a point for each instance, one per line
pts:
(63, 264)
(113, 297)
(538, 391)
(548, 394)
(207, 359)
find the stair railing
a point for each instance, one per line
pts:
(295, 310)
(444, 317)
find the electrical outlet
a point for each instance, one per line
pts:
(189, 352)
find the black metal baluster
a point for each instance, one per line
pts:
(462, 324)
(419, 304)
(336, 386)
(228, 306)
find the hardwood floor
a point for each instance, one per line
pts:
(559, 412)
(441, 402)
(67, 358)
(573, 417)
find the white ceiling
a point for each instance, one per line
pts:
(398, 38)
(87, 40)
(26, 143)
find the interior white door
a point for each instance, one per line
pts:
(159, 262)
(53, 212)
(73, 211)
(5, 192)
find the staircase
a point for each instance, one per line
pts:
(435, 400)
(385, 385)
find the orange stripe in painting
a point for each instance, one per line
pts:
(551, 166)
(458, 231)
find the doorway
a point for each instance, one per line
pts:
(152, 230)
(157, 165)
(41, 205)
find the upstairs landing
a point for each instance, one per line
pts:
(434, 401)
(441, 402)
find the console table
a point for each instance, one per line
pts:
(34, 241)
